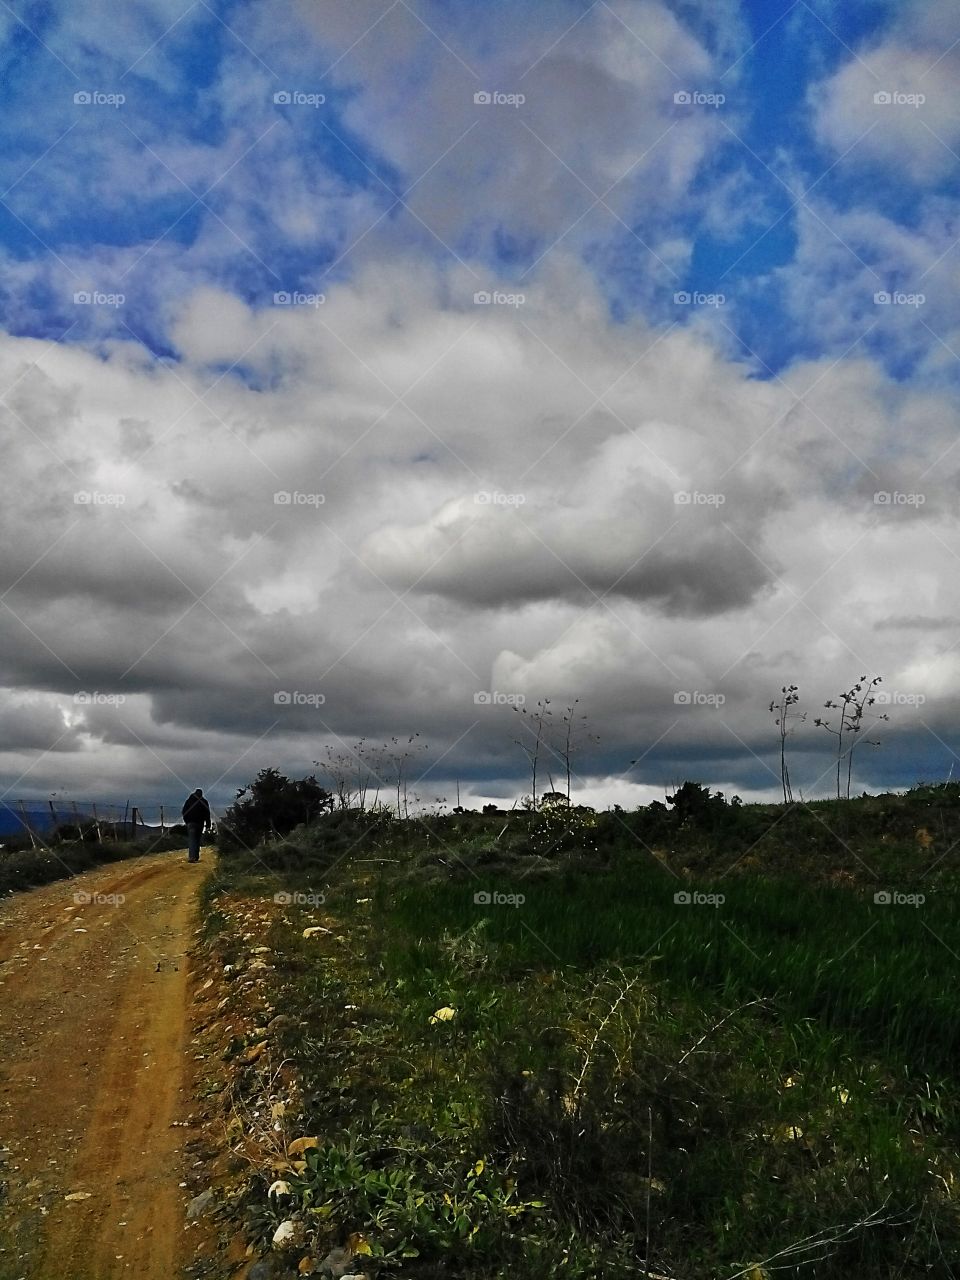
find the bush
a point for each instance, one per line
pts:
(270, 807)
(693, 805)
(82, 829)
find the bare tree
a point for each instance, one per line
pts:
(536, 726)
(569, 744)
(852, 707)
(338, 766)
(353, 770)
(789, 697)
(400, 754)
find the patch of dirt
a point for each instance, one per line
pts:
(96, 1072)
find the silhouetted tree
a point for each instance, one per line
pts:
(789, 697)
(852, 707)
(272, 805)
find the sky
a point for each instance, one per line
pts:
(378, 369)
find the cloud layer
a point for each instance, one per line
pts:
(328, 419)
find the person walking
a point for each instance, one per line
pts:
(196, 815)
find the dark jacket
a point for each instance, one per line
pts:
(196, 809)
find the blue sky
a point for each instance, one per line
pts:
(131, 186)
(258, 231)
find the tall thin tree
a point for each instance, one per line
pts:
(789, 697)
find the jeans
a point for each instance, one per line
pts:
(193, 841)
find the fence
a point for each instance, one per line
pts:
(98, 820)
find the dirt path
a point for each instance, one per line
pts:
(94, 1071)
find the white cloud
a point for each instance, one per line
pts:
(792, 578)
(847, 257)
(598, 114)
(892, 107)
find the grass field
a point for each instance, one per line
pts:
(527, 1058)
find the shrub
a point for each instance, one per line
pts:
(271, 806)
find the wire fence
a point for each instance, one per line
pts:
(41, 820)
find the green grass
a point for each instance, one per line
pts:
(768, 1081)
(885, 973)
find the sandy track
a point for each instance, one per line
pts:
(94, 1070)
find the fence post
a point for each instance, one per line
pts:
(96, 826)
(163, 829)
(53, 814)
(26, 825)
(76, 818)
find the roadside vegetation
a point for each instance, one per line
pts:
(700, 1039)
(27, 864)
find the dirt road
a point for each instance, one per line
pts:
(94, 1072)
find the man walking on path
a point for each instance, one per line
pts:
(196, 814)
